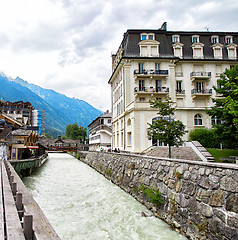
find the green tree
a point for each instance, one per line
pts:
(67, 131)
(226, 108)
(166, 129)
(75, 132)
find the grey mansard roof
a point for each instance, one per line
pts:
(132, 38)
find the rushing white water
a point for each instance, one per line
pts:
(83, 205)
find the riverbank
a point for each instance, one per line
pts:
(25, 167)
(199, 198)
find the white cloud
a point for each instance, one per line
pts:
(66, 45)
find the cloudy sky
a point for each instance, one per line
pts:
(66, 45)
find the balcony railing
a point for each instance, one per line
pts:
(200, 74)
(204, 91)
(151, 89)
(100, 127)
(180, 91)
(151, 72)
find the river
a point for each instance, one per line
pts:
(83, 205)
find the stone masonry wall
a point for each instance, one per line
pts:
(200, 199)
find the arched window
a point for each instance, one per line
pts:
(129, 122)
(197, 120)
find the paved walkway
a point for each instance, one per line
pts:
(177, 152)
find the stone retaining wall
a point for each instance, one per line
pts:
(200, 199)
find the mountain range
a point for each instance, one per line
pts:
(60, 110)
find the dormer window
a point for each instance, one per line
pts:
(175, 39)
(149, 47)
(147, 36)
(178, 49)
(143, 37)
(231, 48)
(195, 39)
(228, 39)
(217, 47)
(214, 39)
(197, 49)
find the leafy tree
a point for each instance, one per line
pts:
(165, 128)
(67, 130)
(207, 137)
(75, 132)
(226, 108)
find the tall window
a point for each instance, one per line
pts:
(179, 86)
(158, 85)
(141, 85)
(141, 67)
(199, 87)
(197, 120)
(129, 138)
(157, 66)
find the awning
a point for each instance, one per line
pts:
(33, 147)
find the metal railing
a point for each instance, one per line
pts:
(200, 74)
(203, 91)
(151, 89)
(180, 91)
(151, 72)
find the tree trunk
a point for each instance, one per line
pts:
(169, 151)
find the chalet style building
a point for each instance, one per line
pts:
(25, 113)
(154, 64)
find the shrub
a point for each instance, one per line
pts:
(207, 137)
(153, 195)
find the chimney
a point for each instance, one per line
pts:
(164, 26)
(113, 57)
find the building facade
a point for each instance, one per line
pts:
(100, 132)
(155, 64)
(25, 113)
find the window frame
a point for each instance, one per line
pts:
(198, 119)
(214, 39)
(230, 39)
(175, 39)
(195, 37)
(147, 36)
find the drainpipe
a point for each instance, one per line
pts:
(124, 108)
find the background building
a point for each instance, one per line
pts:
(155, 64)
(25, 113)
(100, 132)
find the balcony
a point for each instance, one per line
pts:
(99, 128)
(151, 73)
(200, 75)
(201, 93)
(151, 90)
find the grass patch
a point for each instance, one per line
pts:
(222, 153)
